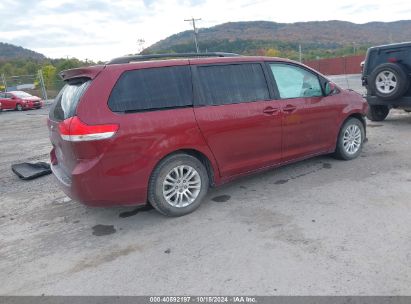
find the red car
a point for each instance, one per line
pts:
(162, 131)
(19, 100)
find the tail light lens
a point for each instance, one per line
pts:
(73, 129)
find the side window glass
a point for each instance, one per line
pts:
(152, 89)
(233, 83)
(2, 95)
(295, 82)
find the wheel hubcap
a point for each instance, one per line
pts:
(352, 139)
(181, 186)
(386, 82)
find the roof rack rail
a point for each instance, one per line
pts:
(130, 58)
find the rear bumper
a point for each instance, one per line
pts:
(93, 190)
(61, 176)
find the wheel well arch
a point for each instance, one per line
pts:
(359, 116)
(356, 115)
(200, 156)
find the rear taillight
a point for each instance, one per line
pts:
(73, 129)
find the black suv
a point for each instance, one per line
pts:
(386, 75)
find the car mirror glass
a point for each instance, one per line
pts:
(329, 88)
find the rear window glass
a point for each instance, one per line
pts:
(65, 103)
(227, 84)
(21, 94)
(152, 89)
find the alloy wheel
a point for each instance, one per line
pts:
(386, 82)
(181, 186)
(352, 139)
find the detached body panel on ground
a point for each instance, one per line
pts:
(115, 128)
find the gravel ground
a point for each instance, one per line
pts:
(317, 227)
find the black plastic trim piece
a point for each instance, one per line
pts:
(404, 101)
(131, 58)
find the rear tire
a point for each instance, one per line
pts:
(350, 139)
(377, 113)
(19, 107)
(178, 185)
(388, 81)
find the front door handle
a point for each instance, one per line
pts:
(270, 110)
(289, 108)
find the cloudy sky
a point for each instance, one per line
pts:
(103, 29)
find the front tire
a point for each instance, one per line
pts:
(350, 139)
(178, 185)
(19, 107)
(377, 113)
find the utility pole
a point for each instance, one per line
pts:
(193, 22)
(300, 52)
(3, 78)
(140, 43)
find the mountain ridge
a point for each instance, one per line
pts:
(9, 51)
(334, 33)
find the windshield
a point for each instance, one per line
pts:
(21, 94)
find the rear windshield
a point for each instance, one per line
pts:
(65, 103)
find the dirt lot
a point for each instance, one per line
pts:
(321, 226)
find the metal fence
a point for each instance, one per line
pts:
(34, 84)
(337, 66)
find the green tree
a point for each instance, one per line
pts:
(49, 75)
(30, 67)
(8, 69)
(272, 52)
(66, 64)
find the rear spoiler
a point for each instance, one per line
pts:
(85, 72)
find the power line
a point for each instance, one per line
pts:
(193, 22)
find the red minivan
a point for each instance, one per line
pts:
(138, 130)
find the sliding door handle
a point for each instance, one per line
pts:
(289, 108)
(270, 110)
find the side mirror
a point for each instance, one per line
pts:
(329, 88)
